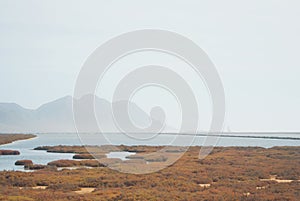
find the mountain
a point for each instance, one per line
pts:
(57, 116)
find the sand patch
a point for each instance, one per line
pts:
(35, 187)
(273, 178)
(204, 185)
(75, 168)
(247, 194)
(40, 187)
(85, 190)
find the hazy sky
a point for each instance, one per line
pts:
(254, 45)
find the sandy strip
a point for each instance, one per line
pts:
(85, 190)
(273, 178)
(40, 187)
(35, 187)
(204, 185)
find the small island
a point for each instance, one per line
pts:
(9, 152)
(9, 138)
(23, 162)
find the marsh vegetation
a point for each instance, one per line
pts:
(228, 173)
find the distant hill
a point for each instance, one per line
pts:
(57, 116)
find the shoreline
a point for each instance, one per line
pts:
(97, 156)
(11, 138)
(254, 135)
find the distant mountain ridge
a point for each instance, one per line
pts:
(57, 116)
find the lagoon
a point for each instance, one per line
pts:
(51, 139)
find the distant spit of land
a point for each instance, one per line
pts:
(9, 138)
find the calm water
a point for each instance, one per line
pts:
(42, 157)
(121, 155)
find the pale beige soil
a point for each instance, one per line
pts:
(274, 178)
(85, 190)
(204, 185)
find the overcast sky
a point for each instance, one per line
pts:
(254, 45)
